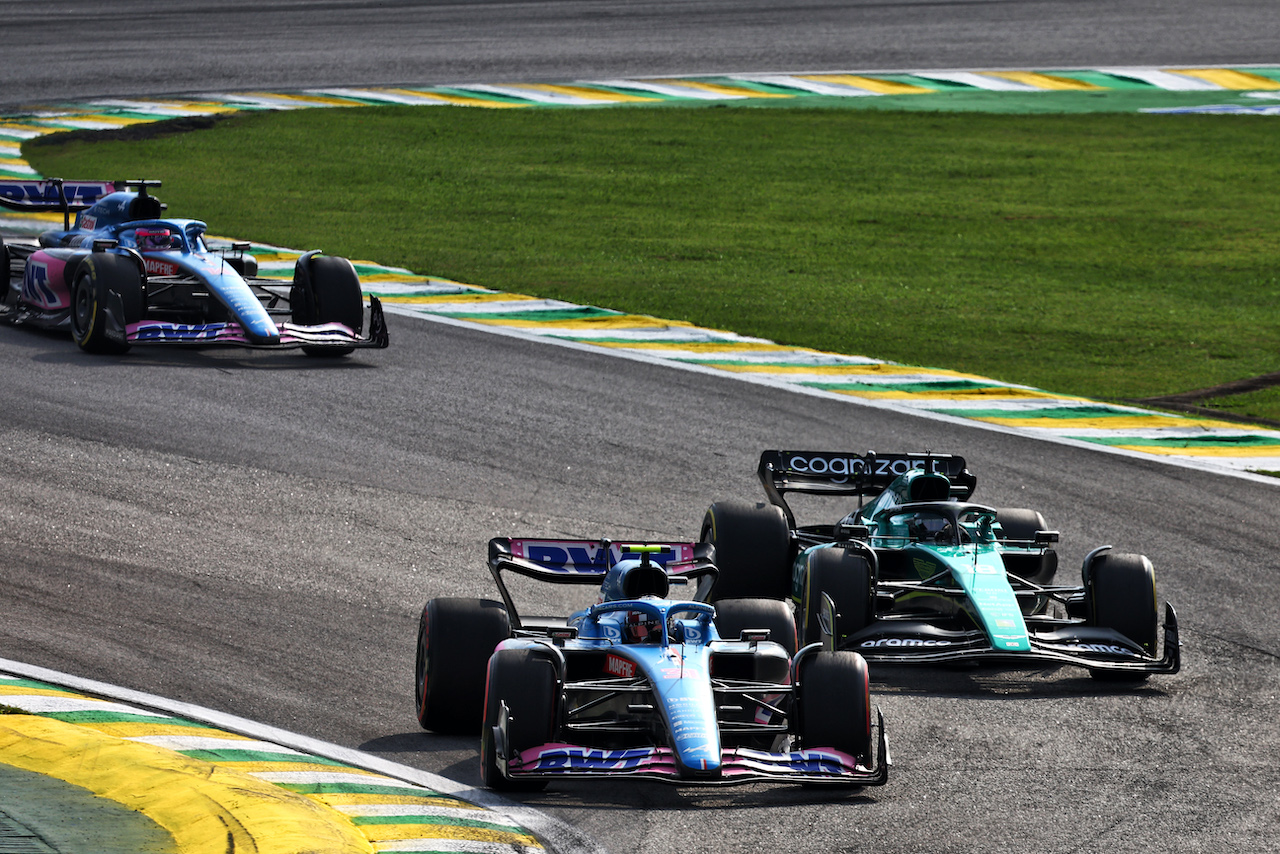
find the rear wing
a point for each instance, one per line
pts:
(588, 561)
(845, 473)
(53, 194)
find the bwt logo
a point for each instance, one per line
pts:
(35, 285)
(47, 192)
(581, 557)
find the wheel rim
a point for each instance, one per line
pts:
(84, 306)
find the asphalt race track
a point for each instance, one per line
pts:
(56, 49)
(256, 532)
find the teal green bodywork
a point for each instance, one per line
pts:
(980, 572)
(974, 564)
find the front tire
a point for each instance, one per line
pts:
(326, 289)
(100, 276)
(845, 576)
(1120, 590)
(455, 639)
(834, 699)
(525, 680)
(753, 550)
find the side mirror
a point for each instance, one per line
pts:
(852, 532)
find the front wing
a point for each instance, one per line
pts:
(905, 643)
(292, 335)
(738, 765)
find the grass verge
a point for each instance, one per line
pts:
(1108, 255)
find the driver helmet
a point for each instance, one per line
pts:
(641, 627)
(929, 526)
(631, 579)
(153, 239)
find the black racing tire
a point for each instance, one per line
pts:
(326, 289)
(1120, 591)
(1020, 524)
(99, 275)
(6, 282)
(734, 615)
(834, 703)
(845, 576)
(753, 550)
(246, 265)
(456, 636)
(524, 679)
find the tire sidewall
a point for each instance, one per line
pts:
(1121, 593)
(326, 289)
(753, 550)
(525, 680)
(455, 639)
(834, 702)
(843, 575)
(734, 615)
(86, 313)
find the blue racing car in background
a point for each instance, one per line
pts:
(641, 684)
(124, 274)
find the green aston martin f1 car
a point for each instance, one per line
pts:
(919, 573)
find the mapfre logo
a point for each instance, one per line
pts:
(156, 267)
(616, 665)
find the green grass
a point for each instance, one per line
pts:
(1115, 256)
(1250, 403)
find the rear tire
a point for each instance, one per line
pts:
(100, 275)
(1020, 524)
(753, 550)
(834, 699)
(455, 639)
(1120, 590)
(734, 615)
(246, 265)
(326, 289)
(844, 576)
(525, 680)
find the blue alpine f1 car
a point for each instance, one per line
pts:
(124, 274)
(641, 684)
(919, 573)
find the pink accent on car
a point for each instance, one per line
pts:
(44, 283)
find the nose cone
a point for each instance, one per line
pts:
(684, 689)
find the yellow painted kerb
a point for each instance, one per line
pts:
(207, 809)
